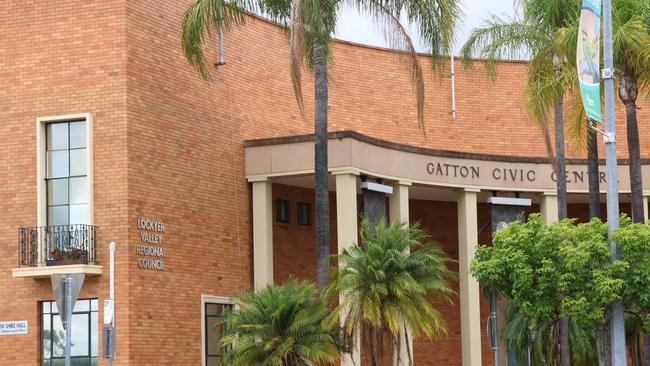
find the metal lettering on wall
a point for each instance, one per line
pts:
(526, 176)
(149, 250)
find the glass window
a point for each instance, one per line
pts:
(77, 135)
(282, 211)
(304, 214)
(57, 136)
(67, 173)
(213, 332)
(84, 334)
(78, 162)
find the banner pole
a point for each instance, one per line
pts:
(617, 320)
(68, 311)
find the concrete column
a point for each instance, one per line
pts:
(399, 202)
(262, 234)
(347, 234)
(645, 208)
(399, 211)
(548, 207)
(470, 310)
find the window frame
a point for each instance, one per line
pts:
(41, 163)
(205, 300)
(308, 207)
(285, 202)
(41, 341)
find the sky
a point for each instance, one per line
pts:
(356, 27)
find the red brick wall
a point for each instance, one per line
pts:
(294, 256)
(169, 146)
(60, 58)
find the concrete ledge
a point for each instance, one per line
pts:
(47, 271)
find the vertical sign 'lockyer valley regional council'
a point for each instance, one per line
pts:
(588, 58)
(150, 249)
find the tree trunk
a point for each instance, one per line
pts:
(603, 344)
(646, 349)
(320, 167)
(636, 184)
(560, 166)
(560, 175)
(628, 92)
(592, 171)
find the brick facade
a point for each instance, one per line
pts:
(169, 146)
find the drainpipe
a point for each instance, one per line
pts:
(453, 89)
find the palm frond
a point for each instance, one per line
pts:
(296, 43)
(203, 18)
(500, 39)
(277, 324)
(388, 282)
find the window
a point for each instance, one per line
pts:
(66, 173)
(84, 334)
(213, 332)
(304, 214)
(282, 211)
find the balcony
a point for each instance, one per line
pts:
(57, 249)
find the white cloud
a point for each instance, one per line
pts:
(360, 28)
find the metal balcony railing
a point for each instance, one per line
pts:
(57, 245)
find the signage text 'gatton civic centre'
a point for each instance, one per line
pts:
(501, 174)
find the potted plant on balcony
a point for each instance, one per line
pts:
(61, 257)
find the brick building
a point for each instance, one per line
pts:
(109, 135)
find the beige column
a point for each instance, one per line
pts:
(645, 208)
(399, 211)
(470, 310)
(262, 234)
(548, 207)
(399, 202)
(347, 233)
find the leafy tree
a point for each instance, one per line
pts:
(389, 281)
(633, 242)
(550, 272)
(279, 326)
(310, 28)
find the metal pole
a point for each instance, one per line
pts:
(111, 292)
(68, 311)
(495, 327)
(111, 263)
(617, 321)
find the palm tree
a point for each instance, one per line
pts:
(311, 25)
(535, 35)
(534, 341)
(631, 44)
(389, 280)
(279, 326)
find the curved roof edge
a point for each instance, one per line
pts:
(417, 149)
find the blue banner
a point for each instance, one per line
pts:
(588, 58)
